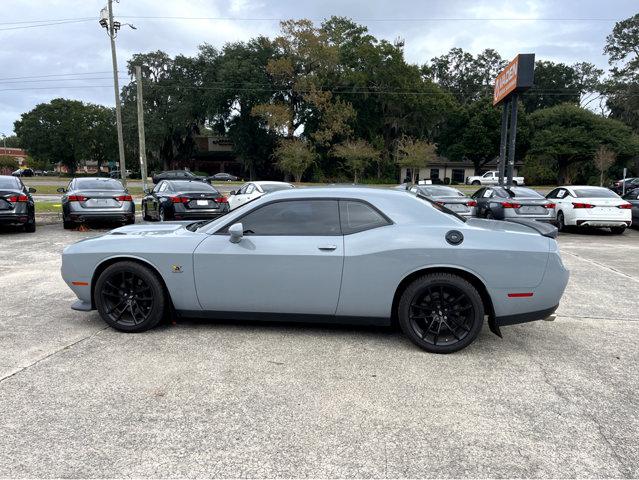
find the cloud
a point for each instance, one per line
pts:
(84, 48)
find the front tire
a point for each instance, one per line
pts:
(441, 313)
(130, 297)
(617, 230)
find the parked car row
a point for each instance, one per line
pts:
(188, 175)
(569, 206)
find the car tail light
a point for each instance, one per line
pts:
(440, 203)
(550, 205)
(625, 206)
(582, 205)
(124, 198)
(76, 198)
(17, 198)
(180, 200)
(510, 205)
(221, 200)
(472, 203)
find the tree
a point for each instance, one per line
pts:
(357, 155)
(57, 131)
(11, 141)
(604, 159)
(294, 156)
(557, 83)
(622, 47)
(569, 135)
(7, 162)
(414, 154)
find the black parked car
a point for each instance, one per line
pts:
(633, 198)
(631, 184)
(183, 200)
(16, 203)
(223, 177)
(176, 175)
(23, 172)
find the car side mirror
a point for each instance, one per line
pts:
(61, 190)
(32, 190)
(237, 232)
(232, 192)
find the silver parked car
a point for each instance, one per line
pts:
(96, 199)
(351, 255)
(448, 197)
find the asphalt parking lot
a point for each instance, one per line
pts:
(197, 398)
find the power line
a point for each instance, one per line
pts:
(55, 75)
(48, 21)
(43, 25)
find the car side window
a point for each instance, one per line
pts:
(562, 193)
(553, 194)
(242, 190)
(164, 187)
(478, 193)
(294, 218)
(359, 216)
(156, 189)
(631, 195)
(488, 193)
(250, 189)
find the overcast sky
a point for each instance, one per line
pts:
(560, 30)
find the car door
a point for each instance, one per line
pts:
(633, 198)
(289, 260)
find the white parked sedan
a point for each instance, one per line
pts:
(252, 190)
(584, 206)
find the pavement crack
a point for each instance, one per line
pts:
(55, 352)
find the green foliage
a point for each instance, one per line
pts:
(12, 141)
(570, 135)
(67, 131)
(357, 155)
(539, 170)
(294, 156)
(8, 162)
(414, 154)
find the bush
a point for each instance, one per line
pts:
(9, 162)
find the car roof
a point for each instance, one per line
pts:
(269, 182)
(337, 192)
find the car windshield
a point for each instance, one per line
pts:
(441, 208)
(274, 187)
(187, 186)
(9, 182)
(594, 192)
(439, 191)
(519, 192)
(97, 184)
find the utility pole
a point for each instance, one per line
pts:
(112, 27)
(142, 141)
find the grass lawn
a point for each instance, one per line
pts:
(48, 207)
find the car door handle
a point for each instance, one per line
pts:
(327, 248)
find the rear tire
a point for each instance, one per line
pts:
(475, 182)
(514, 183)
(130, 297)
(145, 215)
(441, 313)
(561, 222)
(68, 225)
(30, 226)
(617, 230)
(489, 215)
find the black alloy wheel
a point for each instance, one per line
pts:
(130, 297)
(441, 313)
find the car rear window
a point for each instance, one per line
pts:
(9, 182)
(274, 187)
(594, 192)
(519, 192)
(196, 186)
(440, 191)
(97, 184)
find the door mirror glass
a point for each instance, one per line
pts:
(232, 192)
(32, 190)
(237, 232)
(61, 190)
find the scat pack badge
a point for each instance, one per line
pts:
(176, 268)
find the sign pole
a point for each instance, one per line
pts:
(502, 144)
(512, 137)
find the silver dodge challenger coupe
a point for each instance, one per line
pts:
(342, 255)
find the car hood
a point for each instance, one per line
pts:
(164, 228)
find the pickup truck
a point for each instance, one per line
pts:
(491, 178)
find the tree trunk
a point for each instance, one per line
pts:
(562, 171)
(298, 178)
(355, 178)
